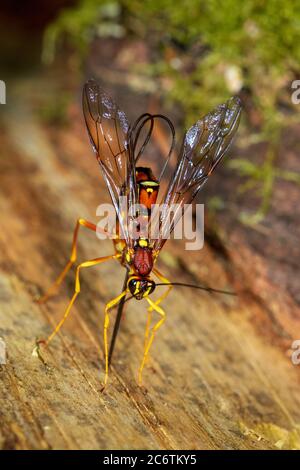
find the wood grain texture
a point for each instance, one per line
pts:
(220, 375)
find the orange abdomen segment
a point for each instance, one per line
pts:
(148, 187)
(148, 197)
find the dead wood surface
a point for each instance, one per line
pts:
(220, 374)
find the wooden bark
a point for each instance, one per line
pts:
(220, 374)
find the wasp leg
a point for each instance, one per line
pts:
(60, 278)
(157, 302)
(85, 264)
(108, 307)
(161, 312)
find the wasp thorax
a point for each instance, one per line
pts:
(143, 259)
(140, 287)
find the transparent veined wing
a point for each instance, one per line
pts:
(204, 145)
(108, 129)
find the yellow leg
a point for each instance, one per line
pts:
(86, 264)
(108, 307)
(157, 302)
(161, 312)
(148, 324)
(60, 278)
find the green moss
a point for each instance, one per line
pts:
(80, 24)
(278, 437)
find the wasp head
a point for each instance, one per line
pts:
(140, 287)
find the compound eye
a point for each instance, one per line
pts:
(150, 287)
(132, 285)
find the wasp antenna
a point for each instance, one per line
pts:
(208, 289)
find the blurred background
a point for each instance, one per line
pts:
(187, 56)
(180, 59)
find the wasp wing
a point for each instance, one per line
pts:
(108, 129)
(204, 145)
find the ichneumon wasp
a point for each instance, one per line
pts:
(119, 148)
